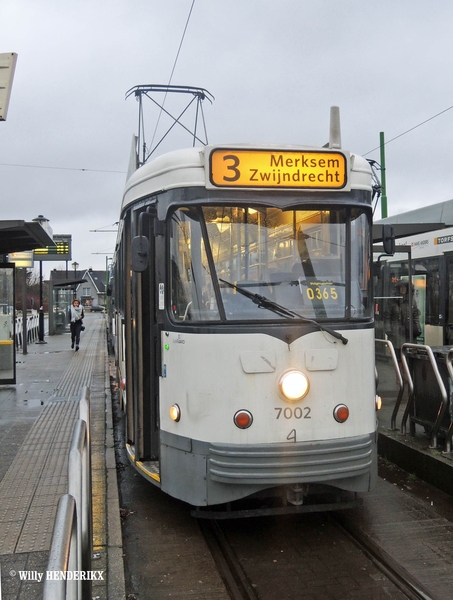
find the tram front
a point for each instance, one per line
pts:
(266, 374)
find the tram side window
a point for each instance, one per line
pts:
(192, 296)
(360, 265)
(425, 289)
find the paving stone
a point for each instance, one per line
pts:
(37, 418)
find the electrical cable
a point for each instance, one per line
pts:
(61, 168)
(155, 130)
(172, 71)
(411, 129)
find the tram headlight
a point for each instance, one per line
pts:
(294, 385)
(175, 413)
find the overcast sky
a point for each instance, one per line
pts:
(274, 68)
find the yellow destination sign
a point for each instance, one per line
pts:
(319, 170)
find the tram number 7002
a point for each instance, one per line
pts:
(298, 412)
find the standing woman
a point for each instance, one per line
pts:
(76, 323)
(397, 318)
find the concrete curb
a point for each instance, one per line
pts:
(115, 564)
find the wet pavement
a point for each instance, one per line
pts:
(37, 416)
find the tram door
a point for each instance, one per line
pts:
(144, 331)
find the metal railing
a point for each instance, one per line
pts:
(400, 381)
(448, 438)
(444, 401)
(74, 518)
(63, 553)
(32, 329)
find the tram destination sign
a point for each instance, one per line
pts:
(278, 169)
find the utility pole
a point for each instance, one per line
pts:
(383, 182)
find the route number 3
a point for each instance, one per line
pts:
(233, 167)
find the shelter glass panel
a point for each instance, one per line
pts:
(7, 325)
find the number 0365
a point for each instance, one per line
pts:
(322, 293)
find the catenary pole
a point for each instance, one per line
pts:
(383, 181)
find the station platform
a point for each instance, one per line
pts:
(37, 417)
(413, 453)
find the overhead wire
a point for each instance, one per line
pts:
(169, 82)
(155, 130)
(173, 70)
(409, 130)
(61, 168)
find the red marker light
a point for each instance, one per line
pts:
(243, 419)
(341, 413)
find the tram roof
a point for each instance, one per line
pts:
(186, 168)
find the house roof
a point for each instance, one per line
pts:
(97, 278)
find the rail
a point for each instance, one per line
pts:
(411, 401)
(391, 349)
(65, 554)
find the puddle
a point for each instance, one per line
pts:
(33, 402)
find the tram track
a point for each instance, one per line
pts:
(228, 565)
(395, 572)
(395, 581)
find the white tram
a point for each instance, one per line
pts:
(244, 321)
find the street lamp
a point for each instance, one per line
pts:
(44, 224)
(75, 266)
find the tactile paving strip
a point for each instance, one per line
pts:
(80, 369)
(37, 477)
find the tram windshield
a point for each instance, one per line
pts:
(314, 263)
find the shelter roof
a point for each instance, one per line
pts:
(419, 220)
(20, 236)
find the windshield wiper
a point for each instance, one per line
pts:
(263, 302)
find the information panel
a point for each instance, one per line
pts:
(281, 169)
(60, 251)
